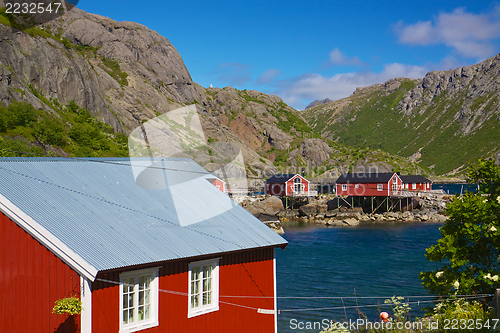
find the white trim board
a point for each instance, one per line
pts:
(61, 250)
(86, 298)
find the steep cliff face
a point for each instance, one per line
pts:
(443, 121)
(121, 71)
(126, 74)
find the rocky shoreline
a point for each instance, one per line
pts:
(332, 211)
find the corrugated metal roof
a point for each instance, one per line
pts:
(280, 178)
(414, 179)
(113, 216)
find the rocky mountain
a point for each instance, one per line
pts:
(444, 121)
(125, 74)
(318, 102)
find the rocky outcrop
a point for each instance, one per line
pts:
(270, 206)
(318, 102)
(315, 150)
(313, 208)
(156, 78)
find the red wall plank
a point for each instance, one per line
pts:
(248, 273)
(31, 279)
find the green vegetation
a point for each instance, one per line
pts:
(112, 67)
(69, 305)
(374, 120)
(470, 240)
(11, 21)
(26, 131)
(288, 121)
(456, 315)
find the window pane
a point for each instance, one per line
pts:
(131, 316)
(141, 313)
(195, 301)
(146, 312)
(207, 271)
(147, 297)
(141, 297)
(205, 298)
(125, 316)
(131, 300)
(141, 282)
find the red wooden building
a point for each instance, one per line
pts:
(287, 185)
(369, 184)
(141, 259)
(217, 182)
(416, 183)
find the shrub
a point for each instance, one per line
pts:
(70, 305)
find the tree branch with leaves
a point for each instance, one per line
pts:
(470, 239)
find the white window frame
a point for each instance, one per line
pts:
(414, 185)
(214, 305)
(380, 187)
(344, 187)
(154, 290)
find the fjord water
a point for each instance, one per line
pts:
(375, 260)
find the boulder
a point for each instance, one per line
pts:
(351, 222)
(439, 218)
(331, 213)
(269, 206)
(287, 214)
(313, 208)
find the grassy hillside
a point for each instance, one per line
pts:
(70, 131)
(443, 132)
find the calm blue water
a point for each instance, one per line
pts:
(455, 188)
(374, 260)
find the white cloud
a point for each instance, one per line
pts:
(339, 58)
(268, 76)
(300, 91)
(470, 35)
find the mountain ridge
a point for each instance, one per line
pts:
(126, 74)
(446, 120)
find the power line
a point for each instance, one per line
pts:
(447, 298)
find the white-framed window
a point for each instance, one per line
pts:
(356, 186)
(380, 187)
(203, 287)
(344, 187)
(414, 186)
(395, 180)
(297, 184)
(138, 300)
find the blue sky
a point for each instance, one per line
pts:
(307, 50)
